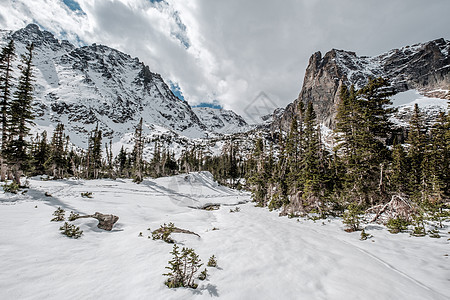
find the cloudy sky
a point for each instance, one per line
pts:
(228, 51)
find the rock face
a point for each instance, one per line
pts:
(424, 67)
(85, 86)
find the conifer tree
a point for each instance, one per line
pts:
(435, 164)
(376, 97)
(399, 168)
(21, 117)
(57, 160)
(416, 141)
(6, 76)
(362, 127)
(156, 161)
(292, 152)
(94, 154)
(137, 153)
(97, 152)
(310, 166)
(121, 160)
(258, 180)
(41, 153)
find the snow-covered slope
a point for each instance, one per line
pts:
(221, 120)
(81, 87)
(429, 107)
(260, 255)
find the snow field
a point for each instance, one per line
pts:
(260, 255)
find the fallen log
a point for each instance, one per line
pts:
(163, 230)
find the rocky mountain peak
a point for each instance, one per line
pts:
(85, 86)
(424, 67)
(40, 38)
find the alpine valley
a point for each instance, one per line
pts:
(114, 188)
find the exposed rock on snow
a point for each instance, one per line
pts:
(105, 222)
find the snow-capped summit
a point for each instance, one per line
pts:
(221, 120)
(85, 86)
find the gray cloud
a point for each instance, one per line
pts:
(237, 48)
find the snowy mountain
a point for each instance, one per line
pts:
(221, 120)
(423, 67)
(90, 85)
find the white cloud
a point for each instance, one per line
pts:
(236, 49)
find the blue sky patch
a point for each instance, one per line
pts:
(215, 104)
(73, 5)
(175, 88)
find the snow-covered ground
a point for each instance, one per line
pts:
(260, 255)
(405, 101)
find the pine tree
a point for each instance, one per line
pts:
(376, 98)
(97, 152)
(109, 160)
(435, 163)
(121, 160)
(6, 76)
(399, 167)
(94, 154)
(21, 117)
(416, 141)
(311, 176)
(6, 58)
(362, 127)
(258, 180)
(42, 153)
(137, 153)
(156, 161)
(57, 160)
(349, 120)
(292, 152)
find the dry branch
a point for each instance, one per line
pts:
(399, 206)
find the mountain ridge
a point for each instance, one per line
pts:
(423, 66)
(96, 84)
